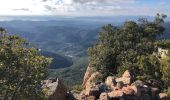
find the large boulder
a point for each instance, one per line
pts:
(92, 79)
(54, 89)
(87, 75)
(94, 90)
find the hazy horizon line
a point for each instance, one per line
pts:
(54, 17)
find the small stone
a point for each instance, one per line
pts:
(104, 96)
(163, 96)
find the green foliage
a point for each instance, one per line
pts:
(165, 69)
(149, 67)
(163, 44)
(105, 60)
(130, 47)
(78, 88)
(22, 68)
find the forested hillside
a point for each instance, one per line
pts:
(66, 40)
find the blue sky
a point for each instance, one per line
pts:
(84, 7)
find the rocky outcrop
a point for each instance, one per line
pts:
(54, 89)
(92, 79)
(121, 88)
(88, 73)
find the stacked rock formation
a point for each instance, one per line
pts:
(122, 88)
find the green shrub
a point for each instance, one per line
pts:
(168, 91)
(22, 68)
(77, 88)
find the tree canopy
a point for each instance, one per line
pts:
(22, 68)
(132, 46)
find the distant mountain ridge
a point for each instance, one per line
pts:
(118, 18)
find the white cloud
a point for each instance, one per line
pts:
(9, 7)
(76, 7)
(104, 1)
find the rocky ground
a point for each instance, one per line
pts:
(114, 88)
